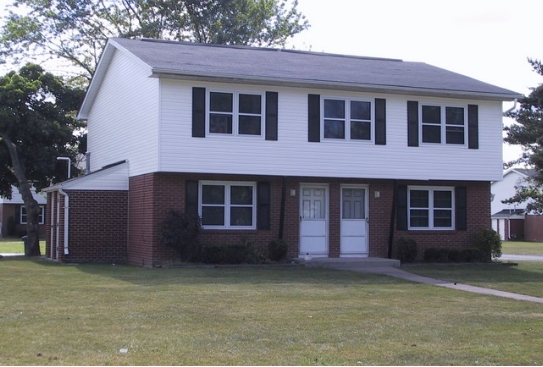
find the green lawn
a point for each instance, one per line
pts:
(522, 248)
(54, 314)
(15, 245)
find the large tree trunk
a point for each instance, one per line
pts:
(31, 205)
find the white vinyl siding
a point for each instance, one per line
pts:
(292, 154)
(123, 122)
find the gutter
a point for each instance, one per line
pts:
(66, 219)
(511, 109)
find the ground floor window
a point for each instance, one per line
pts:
(431, 207)
(227, 205)
(41, 217)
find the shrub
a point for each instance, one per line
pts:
(406, 250)
(243, 252)
(454, 255)
(470, 255)
(277, 250)
(223, 254)
(180, 231)
(489, 244)
(436, 255)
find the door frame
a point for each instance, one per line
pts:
(366, 212)
(326, 188)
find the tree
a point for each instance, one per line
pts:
(528, 133)
(77, 30)
(37, 124)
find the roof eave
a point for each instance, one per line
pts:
(322, 84)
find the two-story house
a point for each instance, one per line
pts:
(511, 221)
(337, 155)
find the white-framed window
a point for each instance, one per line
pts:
(347, 119)
(430, 207)
(443, 124)
(41, 217)
(235, 113)
(227, 205)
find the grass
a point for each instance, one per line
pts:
(16, 245)
(522, 248)
(54, 314)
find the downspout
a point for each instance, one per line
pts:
(511, 109)
(66, 219)
(282, 210)
(392, 220)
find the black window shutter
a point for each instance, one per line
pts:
(271, 115)
(191, 197)
(198, 112)
(461, 208)
(401, 209)
(473, 126)
(412, 123)
(380, 121)
(314, 118)
(263, 205)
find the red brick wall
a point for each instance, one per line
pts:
(153, 195)
(478, 217)
(98, 223)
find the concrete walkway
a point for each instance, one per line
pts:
(402, 274)
(521, 257)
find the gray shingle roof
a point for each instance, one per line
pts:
(301, 68)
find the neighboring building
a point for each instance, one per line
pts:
(336, 154)
(13, 214)
(510, 220)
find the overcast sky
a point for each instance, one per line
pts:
(489, 40)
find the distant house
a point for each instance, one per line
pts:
(510, 220)
(338, 155)
(13, 214)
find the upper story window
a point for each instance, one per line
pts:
(347, 119)
(235, 113)
(431, 207)
(228, 205)
(443, 124)
(41, 217)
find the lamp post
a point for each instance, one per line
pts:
(69, 164)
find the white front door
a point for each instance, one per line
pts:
(354, 223)
(313, 220)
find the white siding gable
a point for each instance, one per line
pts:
(293, 155)
(123, 122)
(505, 189)
(110, 179)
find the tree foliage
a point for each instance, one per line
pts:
(77, 30)
(37, 124)
(528, 133)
